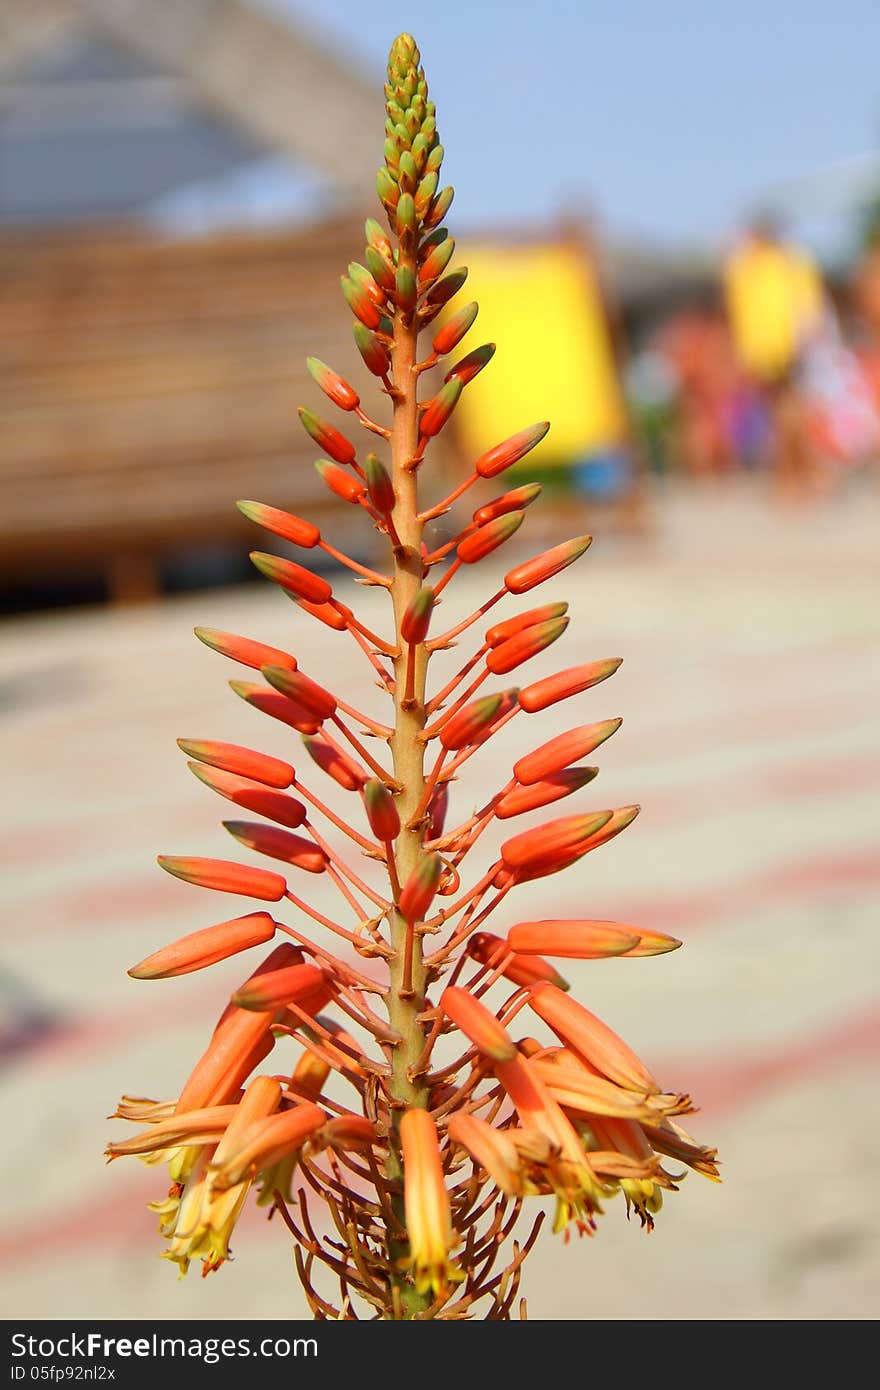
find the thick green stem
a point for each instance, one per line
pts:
(405, 1005)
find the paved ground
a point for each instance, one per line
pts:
(749, 690)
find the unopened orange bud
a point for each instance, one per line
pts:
(438, 807)
(593, 1039)
(471, 365)
(420, 887)
(491, 1148)
(368, 283)
(344, 485)
(519, 969)
(487, 538)
(309, 1076)
(521, 799)
(516, 500)
(252, 796)
(620, 819)
(244, 762)
(266, 1142)
(336, 764)
(333, 385)
(379, 485)
(439, 408)
(417, 618)
(653, 943)
(327, 437)
(565, 683)
(447, 338)
(374, 353)
(510, 451)
(526, 644)
(502, 632)
(302, 689)
(552, 841)
(291, 528)
(533, 572)
(278, 844)
(361, 304)
(293, 577)
(202, 948)
(332, 615)
(348, 1132)
(276, 705)
(480, 1026)
(559, 752)
(243, 649)
(225, 877)
(382, 812)
(304, 985)
(443, 290)
(466, 726)
(436, 262)
(573, 939)
(440, 205)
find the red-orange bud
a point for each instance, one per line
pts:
(245, 762)
(575, 940)
(478, 1025)
(593, 1039)
(333, 385)
(345, 485)
(333, 615)
(382, 813)
(420, 887)
(521, 799)
(379, 485)
(516, 500)
(487, 538)
(552, 841)
(291, 528)
(470, 722)
(436, 262)
(439, 408)
(303, 690)
(277, 706)
(243, 649)
(438, 807)
(510, 451)
(447, 338)
(251, 796)
(202, 948)
(303, 985)
(471, 365)
(527, 643)
(327, 437)
(533, 572)
(417, 618)
(361, 304)
(565, 683)
(266, 1142)
(278, 844)
(336, 763)
(559, 752)
(293, 577)
(502, 632)
(225, 877)
(374, 353)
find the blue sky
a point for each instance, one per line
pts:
(667, 118)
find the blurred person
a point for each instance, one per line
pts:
(775, 303)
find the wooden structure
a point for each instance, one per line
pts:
(148, 380)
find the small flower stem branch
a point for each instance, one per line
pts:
(393, 876)
(385, 677)
(445, 639)
(435, 555)
(352, 622)
(409, 689)
(324, 921)
(337, 878)
(359, 748)
(466, 926)
(447, 502)
(339, 967)
(368, 846)
(372, 425)
(429, 784)
(373, 576)
(372, 725)
(478, 889)
(433, 729)
(338, 865)
(407, 751)
(441, 583)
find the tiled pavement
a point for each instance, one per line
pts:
(750, 691)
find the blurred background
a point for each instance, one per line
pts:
(672, 224)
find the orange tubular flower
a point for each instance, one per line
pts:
(428, 1216)
(364, 1078)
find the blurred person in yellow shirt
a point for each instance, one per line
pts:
(775, 306)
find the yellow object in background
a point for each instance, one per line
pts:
(774, 301)
(541, 305)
